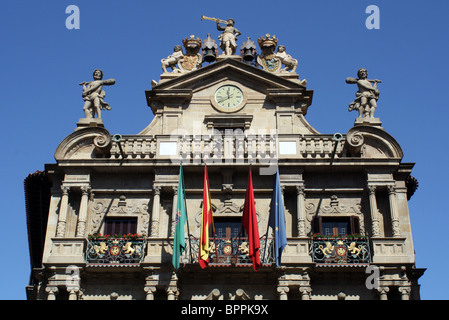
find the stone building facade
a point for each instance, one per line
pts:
(345, 195)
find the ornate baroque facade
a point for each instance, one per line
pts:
(345, 195)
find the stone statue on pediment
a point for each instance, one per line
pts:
(228, 39)
(287, 60)
(366, 96)
(172, 60)
(93, 95)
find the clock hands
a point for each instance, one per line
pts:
(225, 98)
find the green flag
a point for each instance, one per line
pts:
(179, 244)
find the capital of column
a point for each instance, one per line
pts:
(283, 291)
(65, 190)
(85, 189)
(51, 292)
(300, 190)
(157, 190)
(371, 189)
(405, 292)
(383, 291)
(391, 189)
(305, 292)
(150, 291)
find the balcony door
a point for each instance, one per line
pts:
(120, 226)
(228, 228)
(335, 226)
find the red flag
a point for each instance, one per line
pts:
(249, 221)
(206, 222)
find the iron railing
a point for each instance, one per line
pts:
(229, 251)
(115, 251)
(340, 250)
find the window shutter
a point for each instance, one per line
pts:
(355, 225)
(317, 224)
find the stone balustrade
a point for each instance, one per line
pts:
(228, 148)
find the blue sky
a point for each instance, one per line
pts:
(42, 63)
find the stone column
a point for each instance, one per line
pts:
(383, 291)
(156, 211)
(304, 286)
(62, 218)
(373, 207)
(405, 293)
(394, 212)
(82, 217)
(172, 293)
(51, 292)
(301, 211)
(174, 208)
(305, 292)
(73, 293)
(150, 292)
(283, 291)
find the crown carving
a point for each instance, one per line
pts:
(191, 42)
(268, 41)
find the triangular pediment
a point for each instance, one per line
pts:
(269, 101)
(228, 70)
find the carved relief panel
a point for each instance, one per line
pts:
(113, 205)
(334, 207)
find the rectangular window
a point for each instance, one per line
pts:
(339, 227)
(120, 226)
(228, 228)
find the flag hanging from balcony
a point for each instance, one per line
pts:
(206, 223)
(277, 220)
(179, 243)
(249, 222)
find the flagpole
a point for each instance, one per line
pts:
(187, 218)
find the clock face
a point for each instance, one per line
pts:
(228, 96)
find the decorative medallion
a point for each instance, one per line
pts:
(115, 250)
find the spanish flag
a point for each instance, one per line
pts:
(206, 222)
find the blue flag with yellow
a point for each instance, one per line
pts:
(277, 220)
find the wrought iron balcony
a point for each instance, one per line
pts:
(229, 251)
(345, 250)
(115, 250)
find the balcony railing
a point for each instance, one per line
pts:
(115, 251)
(229, 251)
(340, 250)
(228, 148)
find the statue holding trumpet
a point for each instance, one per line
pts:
(229, 36)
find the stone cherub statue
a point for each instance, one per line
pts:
(93, 95)
(367, 95)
